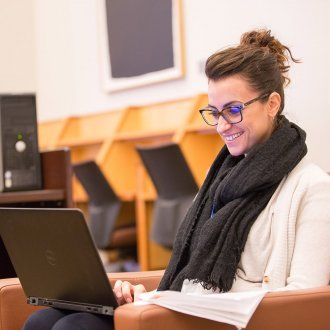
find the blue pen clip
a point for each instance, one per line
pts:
(212, 211)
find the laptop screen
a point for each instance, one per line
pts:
(54, 255)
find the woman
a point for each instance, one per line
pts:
(262, 217)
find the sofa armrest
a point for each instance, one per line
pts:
(300, 309)
(152, 317)
(14, 309)
(150, 279)
(297, 309)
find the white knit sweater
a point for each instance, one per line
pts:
(288, 246)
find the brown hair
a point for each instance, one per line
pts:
(259, 58)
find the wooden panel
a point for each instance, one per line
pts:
(159, 256)
(160, 117)
(199, 142)
(200, 150)
(111, 138)
(57, 172)
(85, 136)
(141, 222)
(145, 125)
(120, 167)
(190, 124)
(32, 196)
(197, 120)
(151, 255)
(79, 154)
(50, 132)
(79, 194)
(90, 129)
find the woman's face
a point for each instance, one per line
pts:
(258, 117)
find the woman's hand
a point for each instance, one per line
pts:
(126, 292)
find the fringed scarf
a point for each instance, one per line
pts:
(212, 237)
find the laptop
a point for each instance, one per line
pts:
(56, 260)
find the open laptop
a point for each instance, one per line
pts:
(55, 259)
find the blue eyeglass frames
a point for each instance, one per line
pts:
(232, 113)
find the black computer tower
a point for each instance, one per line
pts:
(20, 167)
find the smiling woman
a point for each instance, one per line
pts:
(252, 225)
(255, 121)
(261, 218)
(252, 74)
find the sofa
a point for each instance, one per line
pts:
(307, 309)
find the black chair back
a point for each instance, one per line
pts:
(175, 185)
(104, 205)
(168, 170)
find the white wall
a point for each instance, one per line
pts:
(17, 46)
(67, 57)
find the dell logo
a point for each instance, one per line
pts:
(50, 257)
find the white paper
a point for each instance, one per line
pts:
(234, 308)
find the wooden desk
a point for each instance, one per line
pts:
(56, 179)
(32, 196)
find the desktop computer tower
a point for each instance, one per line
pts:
(20, 167)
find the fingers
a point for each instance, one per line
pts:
(127, 291)
(138, 289)
(117, 288)
(117, 285)
(118, 293)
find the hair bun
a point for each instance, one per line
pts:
(259, 38)
(264, 39)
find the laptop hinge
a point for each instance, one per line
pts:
(81, 307)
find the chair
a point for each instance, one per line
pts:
(288, 310)
(104, 208)
(176, 189)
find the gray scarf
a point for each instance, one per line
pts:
(208, 248)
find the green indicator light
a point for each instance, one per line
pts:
(19, 136)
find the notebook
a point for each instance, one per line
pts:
(56, 260)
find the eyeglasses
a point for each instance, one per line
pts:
(232, 113)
